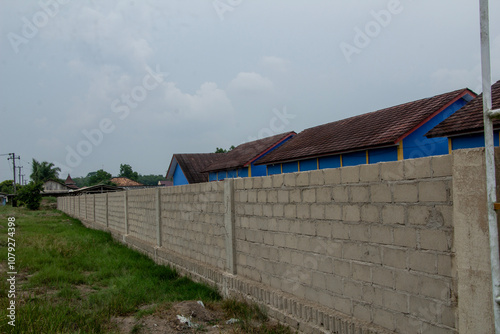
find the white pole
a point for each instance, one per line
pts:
(490, 161)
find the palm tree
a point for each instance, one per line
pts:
(41, 172)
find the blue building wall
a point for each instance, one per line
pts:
(273, 169)
(179, 177)
(471, 141)
(212, 176)
(329, 162)
(354, 159)
(416, 145)
(383, 154)
(290, 167)
(310, 164)
(243, 172)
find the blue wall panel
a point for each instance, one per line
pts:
(309, 164)
(273, 169)
(259, 170)
(383, 154)
(212, 176)
(416, 145)
(221, 175)
(179, 177)
(354, 159)
(243, 172)
(329, 162)
(290, 167)
(471, 141)
(232, 173)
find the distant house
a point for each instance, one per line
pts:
(189, 168)
(126, 183)
(465, 128)
(165, 183)
(390, 134)
(97, 189)
(243, 160)
(70, 183)
(54, 188)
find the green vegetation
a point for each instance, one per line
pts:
(128, 172)
(43, 171)
(222, 150)
(7, 187)
(73, 280)
(30, 195)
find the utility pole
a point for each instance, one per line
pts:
(12, 156)
(19, 180)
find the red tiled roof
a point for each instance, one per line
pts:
(376, 129)
(125, 182)
(245, 154)
(193, 165)
(469, 119)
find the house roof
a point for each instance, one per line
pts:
(247, 153)
(125, 182)
(193, 165)
(70, 183)
(469, 119)
(96, 189)
(380, 128)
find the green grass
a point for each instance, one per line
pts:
(73, 280)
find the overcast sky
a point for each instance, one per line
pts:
(93, 84)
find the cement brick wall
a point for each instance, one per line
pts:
(100, 209)
(141, 214)
(372, 241)
(116, 212)
(192, 222)
(369, 249)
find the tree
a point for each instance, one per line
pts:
(7, 187)
(126, 171)
(150, 180)
(31, 195)
(99, 177)
(221, 150)
(41, 172)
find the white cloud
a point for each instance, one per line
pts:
(250, 83)
(209, 102)
(275, 63)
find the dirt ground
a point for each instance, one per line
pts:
(204, 319)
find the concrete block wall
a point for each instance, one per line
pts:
(397, 247)
(116, 212)
(192, 222)
(373, 242)
(100, 209)
(142, 214)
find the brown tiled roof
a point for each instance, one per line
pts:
(125, 182)
(70, 183)
(194, 164)
(246, 153)
(469, 119)
(376, 129)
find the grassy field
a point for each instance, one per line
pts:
(71, 279)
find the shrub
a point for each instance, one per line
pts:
(31, 195)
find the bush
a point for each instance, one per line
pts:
(31, 195)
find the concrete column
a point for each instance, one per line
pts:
(229, 223)
(471, 242)
(158, 217)
(95, 219)
(126, 210)
(107, 211)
